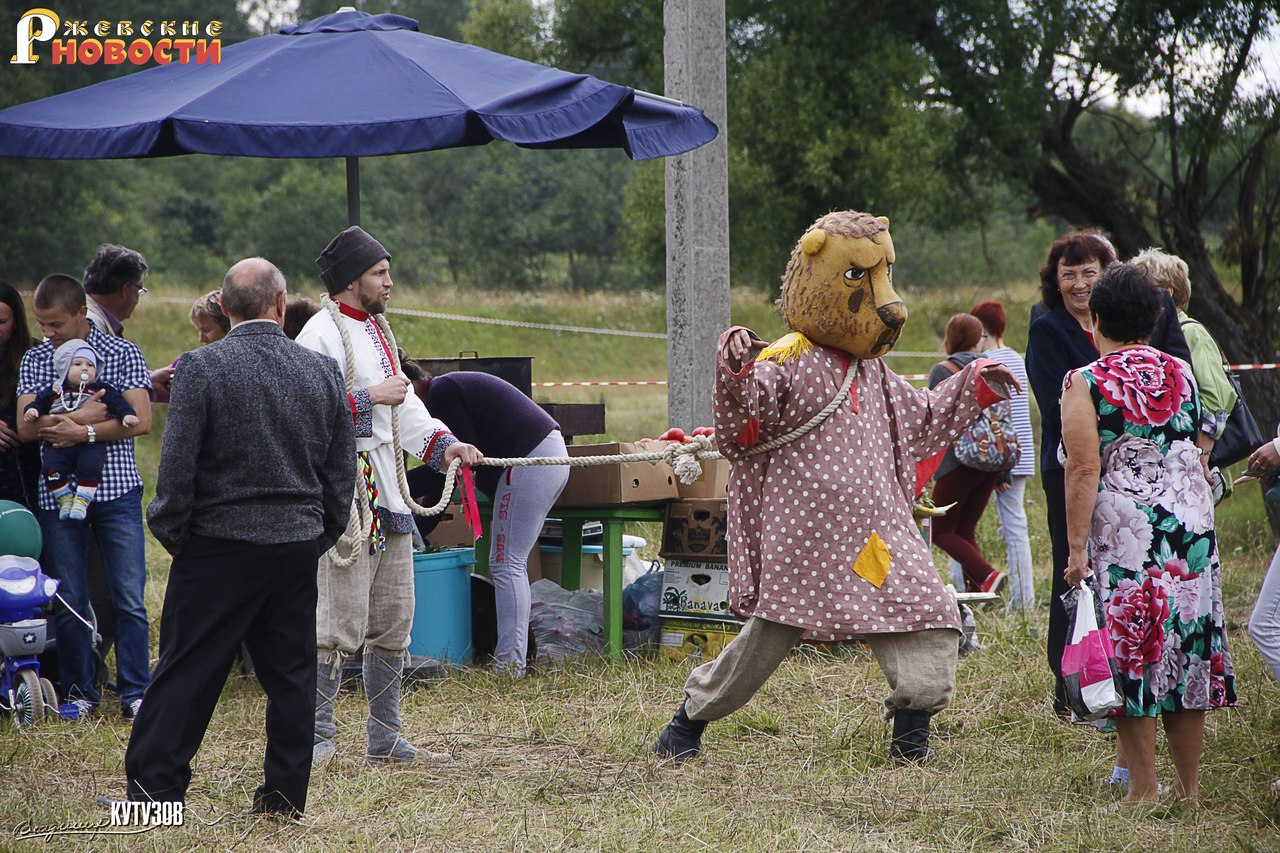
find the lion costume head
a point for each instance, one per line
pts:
(838, 288)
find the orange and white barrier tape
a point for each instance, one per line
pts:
(593, 383)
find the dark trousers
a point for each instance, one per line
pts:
(956, 532)
(221, 593)
(1055, 501)
(82, 460)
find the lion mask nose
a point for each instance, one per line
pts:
(893, 315)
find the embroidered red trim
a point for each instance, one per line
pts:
(353, 313)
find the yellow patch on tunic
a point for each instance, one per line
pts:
(874, 561)
(786, 347)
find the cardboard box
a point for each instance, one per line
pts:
(453, 530)
(551, 565)
(695, 589)
(712, 485)
(696, 530)
(695, 640)
(618, 483)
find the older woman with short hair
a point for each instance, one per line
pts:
(211, 325)
(206, 315)
(1140, 519)
(1217, 396)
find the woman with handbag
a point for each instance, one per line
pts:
(956, 483)
(1218, 397)
(1140, 518)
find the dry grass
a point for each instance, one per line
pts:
(560, 760)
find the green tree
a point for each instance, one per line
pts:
(1041, 87)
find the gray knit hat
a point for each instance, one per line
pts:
(347, 257)
(64, 354)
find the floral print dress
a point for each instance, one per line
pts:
(1152, 543)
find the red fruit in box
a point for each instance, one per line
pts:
(673, 434)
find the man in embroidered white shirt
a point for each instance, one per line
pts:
(370, 603)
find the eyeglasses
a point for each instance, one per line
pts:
(142, 291)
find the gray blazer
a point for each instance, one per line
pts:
(259, 446)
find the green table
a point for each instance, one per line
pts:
(612, 517)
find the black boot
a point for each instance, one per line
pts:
(681, 740)
(910, 736)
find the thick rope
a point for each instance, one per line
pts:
(402, 480)
(360, 521)
(683, 457)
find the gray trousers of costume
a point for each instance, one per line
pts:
(368, 603)
(920, 667)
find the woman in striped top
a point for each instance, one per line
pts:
(1010, 497)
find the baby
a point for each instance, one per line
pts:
(76, 364)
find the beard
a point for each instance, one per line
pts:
(375, 304)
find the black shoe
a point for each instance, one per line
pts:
(272, 805)
(681, 740)
(910, 736)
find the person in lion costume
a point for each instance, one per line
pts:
(822, 543)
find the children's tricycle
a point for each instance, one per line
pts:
(23, 589)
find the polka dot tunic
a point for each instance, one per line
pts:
(800, 515)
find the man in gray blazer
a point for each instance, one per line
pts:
(255, 483)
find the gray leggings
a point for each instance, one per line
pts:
(520, 505)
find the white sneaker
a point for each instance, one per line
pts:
(131, 709)
(84, 709)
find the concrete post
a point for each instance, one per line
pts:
(697, 212)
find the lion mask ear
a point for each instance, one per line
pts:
(812, 242)
(885, 220)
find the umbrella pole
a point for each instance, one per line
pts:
(353, 191)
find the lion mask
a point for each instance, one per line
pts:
(838, 288)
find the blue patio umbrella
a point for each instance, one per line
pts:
(348, 85)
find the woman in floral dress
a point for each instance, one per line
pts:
(1140, 517)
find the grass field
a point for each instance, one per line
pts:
(560, 760)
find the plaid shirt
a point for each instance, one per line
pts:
(120, 364)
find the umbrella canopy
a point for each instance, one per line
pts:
(348, 84)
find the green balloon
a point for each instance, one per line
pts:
(19, 531)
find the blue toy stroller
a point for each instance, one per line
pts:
(23, 636)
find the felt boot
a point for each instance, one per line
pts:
(910, 736)
(382, 677)
(681, 740)
(328, 677)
